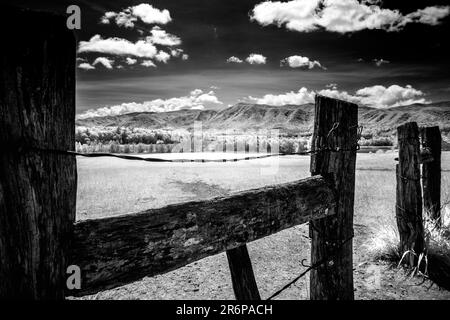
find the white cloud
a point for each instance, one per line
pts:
(161, 37)
(376, 96)
(118, 46)
(254, 58)
(149, 15)
(107, 63)
(144, 12)
(302, 96)
(130, 61)
(300, 62)
(148, 63)
(429, 15)
(162, 56)
(392, 96)
(379, 62)
(380, 96)
(86, 66)
(176, 52)
(105, 19)
(341, 15)
(234, 59)
(197, 99)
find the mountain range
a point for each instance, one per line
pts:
(296, 119)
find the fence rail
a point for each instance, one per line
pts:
(115, 251)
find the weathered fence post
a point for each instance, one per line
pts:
(409, 193)
(37, 188)
(243, 279)
(334, 147)
(431, 172)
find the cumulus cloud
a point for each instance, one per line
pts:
(302, 96)
(341, 15)
(255, 58)
(197, 99)
(130, 61)
(107, 63)
(118, 46)
(143, 12)
(162, 56)
(300, 62)
(376, 96)
(234, 59)
(380, 62)
(86, 66)
(161, 37)
(392, 96)
(148, 63)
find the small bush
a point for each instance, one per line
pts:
(384, 245)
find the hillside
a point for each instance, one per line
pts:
(288, 118)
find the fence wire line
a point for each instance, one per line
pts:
(22, 149)
(309, 268)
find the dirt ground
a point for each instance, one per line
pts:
(276, 259)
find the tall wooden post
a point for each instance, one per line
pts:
(409, 193)
(431, 173)
(37, 188)
(334, 156)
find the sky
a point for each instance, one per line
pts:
(136, 56)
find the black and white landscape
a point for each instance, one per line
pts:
(243, 75)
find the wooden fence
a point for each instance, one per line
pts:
(418, 191)
(39, 237)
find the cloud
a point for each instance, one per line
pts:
(377, 96)
(255, 58)
(162, 56)
(86, 66)
(379, 62)
(302, 96)
(148, 63)
(179, 53)
(107, 63)
(197, 99)
(392, 96)
(380, 96)
(118, 46)
(130, 61)
(234, 59)
(161, 37)
(300, 62)
(341, 16)
(143, 12)
(331, 86)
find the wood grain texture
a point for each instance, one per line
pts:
(37, 189)
(409, 193)
(242, 276)
(431, 172)
(118, 250)
(335, 127)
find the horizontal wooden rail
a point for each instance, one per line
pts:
(118, 250)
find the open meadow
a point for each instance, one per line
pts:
(109, 186)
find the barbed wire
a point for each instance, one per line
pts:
(356, 147)
(327, 260)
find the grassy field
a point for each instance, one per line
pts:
(108, 187)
